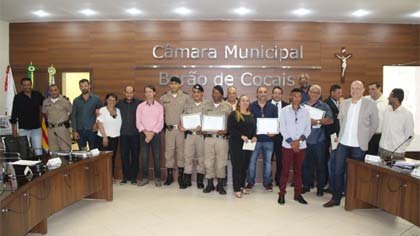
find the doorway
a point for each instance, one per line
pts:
(71, 83)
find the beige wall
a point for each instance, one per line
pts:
(4, 46)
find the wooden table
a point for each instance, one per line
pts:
(28, 208)
(370, 186)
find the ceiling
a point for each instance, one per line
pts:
(381, 11)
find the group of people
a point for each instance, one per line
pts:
(314, 148)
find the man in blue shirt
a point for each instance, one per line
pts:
(265, 145)
(316, 141)
(83, 117)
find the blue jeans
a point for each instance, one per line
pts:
(145, 151)
(267, 149)
(315, 157)
(339, 162)
(35, 138)
(87, 136)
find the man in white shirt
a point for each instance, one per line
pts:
(381, 101)
(397, 127)
(358, 123)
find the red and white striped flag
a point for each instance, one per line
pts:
(8, 92)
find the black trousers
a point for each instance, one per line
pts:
(373, 148)
(240, 162)
(112, 146)
(130, 156)
(278, 139)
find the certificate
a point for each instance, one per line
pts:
(213, 123)
(267, 125)
(334, 142)
(191, 121)
(315, 114)
(250, 146)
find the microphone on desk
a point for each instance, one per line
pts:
(64, 141)
(393, 152)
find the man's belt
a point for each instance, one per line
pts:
(215, 136)
(192, 132)
(58, 125)
(171, 127)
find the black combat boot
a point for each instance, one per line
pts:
(169, 177)
(181, 181)
(200, 178)
(187, 180)
(209, 187)
(219, 187)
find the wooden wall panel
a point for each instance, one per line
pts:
(111, 50)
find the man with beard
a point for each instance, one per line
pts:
(83, 117)
(26, 114)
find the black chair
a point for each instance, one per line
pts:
(19, 145)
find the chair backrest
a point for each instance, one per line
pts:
(20, 145)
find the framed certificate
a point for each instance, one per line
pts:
(213, 123)
(267, 125)
(191, 121)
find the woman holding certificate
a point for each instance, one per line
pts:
(242, 129)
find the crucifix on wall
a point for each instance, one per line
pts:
(343, 56)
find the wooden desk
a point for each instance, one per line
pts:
(27, 209)
(370, 186)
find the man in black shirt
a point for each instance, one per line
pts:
(26, 112)
(130, 136)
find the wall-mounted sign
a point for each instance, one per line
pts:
(228, 52)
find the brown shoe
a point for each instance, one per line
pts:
(331, 203)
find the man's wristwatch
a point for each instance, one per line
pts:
(318, 122)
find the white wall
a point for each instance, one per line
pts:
(4, 46)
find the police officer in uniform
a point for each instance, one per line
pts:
(215, 143)
(173, 103)
(57, 109)
(194, 140)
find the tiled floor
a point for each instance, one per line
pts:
(144, 211)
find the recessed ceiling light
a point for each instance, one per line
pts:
(41, 13)
(242, 11)
(88, 12)
(360, 13)
(182, 11)
(416, 14)
(301, 11)
(133, 11)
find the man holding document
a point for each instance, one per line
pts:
(267, 126)
(194, 141)
(321, 115)
(215, 143)
(295, 126)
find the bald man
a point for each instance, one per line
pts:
(130, 136)
(358, 123)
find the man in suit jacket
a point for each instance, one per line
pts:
(276, 100)
(358, 123)
(333, 101)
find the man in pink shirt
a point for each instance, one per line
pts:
(149, 122)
